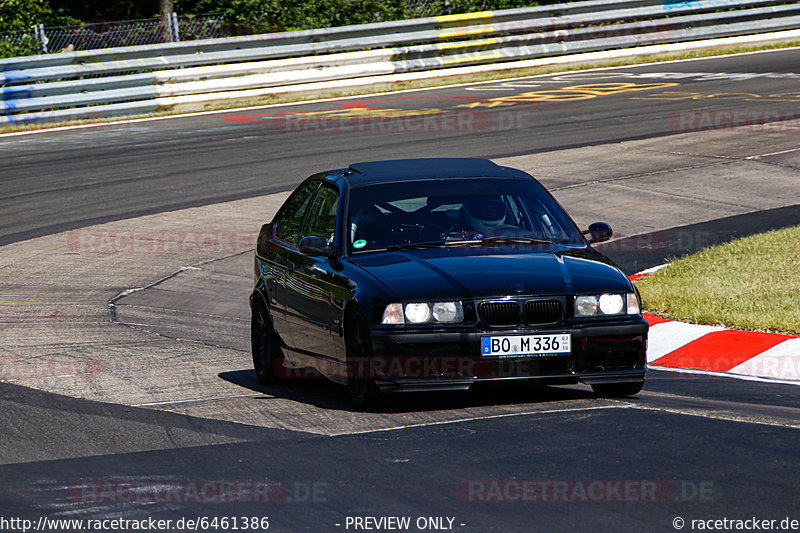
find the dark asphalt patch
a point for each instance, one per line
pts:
(639, 252)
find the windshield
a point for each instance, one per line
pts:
(456, 212)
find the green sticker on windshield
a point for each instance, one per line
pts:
(360, 243)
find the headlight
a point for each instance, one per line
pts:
(586, 306)
(418, 313)
(606, 304)
(423, 312)
(448, 312)
(633, 304)
(610, 304)
(393, 314)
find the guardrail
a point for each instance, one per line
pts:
(143, 79)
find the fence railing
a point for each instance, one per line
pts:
(98, 35)
(129, 33)
(143, 79)
(158, 30)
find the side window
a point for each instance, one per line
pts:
(322, 216)
(287, 227)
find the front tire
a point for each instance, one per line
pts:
(265, 344)
(358, 345)
(617, 390)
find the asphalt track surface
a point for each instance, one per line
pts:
(689, 446)
(63, 180)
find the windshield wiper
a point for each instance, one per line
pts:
(402, 246)
(490, 241)
(414, 246)
(499, 240)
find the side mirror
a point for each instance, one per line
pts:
(599, 231)
(313, 246)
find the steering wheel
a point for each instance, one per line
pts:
(414, 226)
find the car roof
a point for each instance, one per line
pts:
(426, 168)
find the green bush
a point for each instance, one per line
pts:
(22, 15)
(279, 15)
(17, 16)
(25, 45)
(331, 13)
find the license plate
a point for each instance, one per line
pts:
(526, 345)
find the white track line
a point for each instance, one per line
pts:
(475, 418)
(723, 375)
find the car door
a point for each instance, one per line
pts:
(314, 287)
(277, 262)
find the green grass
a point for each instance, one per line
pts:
(433, 82)
(749, 284)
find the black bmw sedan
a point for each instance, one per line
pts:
(434, 274)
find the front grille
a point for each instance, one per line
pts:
(543, 311)
(500, 313)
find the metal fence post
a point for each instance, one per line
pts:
(38, 31)
(176, 31)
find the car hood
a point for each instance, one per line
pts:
(465, 273)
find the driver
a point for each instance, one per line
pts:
(484, 213)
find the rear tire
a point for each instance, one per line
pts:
(265, 345)
(358, 344)
(617, 390)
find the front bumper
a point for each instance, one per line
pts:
(450, 359)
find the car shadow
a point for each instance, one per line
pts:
(325, 394)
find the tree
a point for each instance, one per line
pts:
(17, 20)
(92, 11)
(22, 15)
(277, 15)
